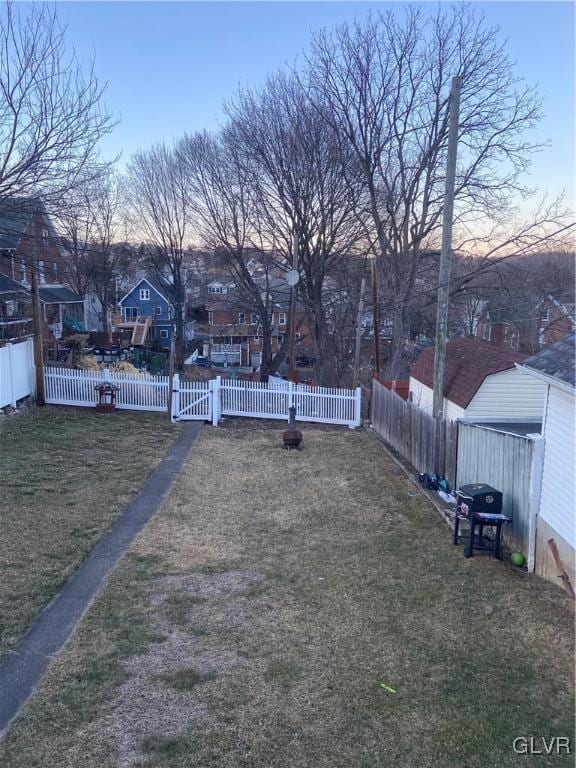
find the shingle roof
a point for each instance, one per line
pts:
(468, 362)
(58, 295)
(557, 360)
(7, 285)
(15, 216)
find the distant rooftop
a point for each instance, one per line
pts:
(557, 360)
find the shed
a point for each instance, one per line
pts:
(554, 368)
(481, 384)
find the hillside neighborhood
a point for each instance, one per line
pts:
(287, 393)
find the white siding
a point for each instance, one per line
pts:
(510, 395)
(557, 503)
(422, 396)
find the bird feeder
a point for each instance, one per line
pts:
(106, 397)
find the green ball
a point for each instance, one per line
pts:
(517, 559)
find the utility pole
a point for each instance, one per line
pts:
(446, 252)
(375, 318)
(293, 289)
(359, 334)
(37, 325)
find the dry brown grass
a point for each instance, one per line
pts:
(257, 616)
(65, 474)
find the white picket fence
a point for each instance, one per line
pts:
(64, 386)
(17, 379)
(206, 400)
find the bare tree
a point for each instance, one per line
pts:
(221, 188)
(76, 224)
(105, 255)
(159, 202)
(51, 116)
(298, 187)
(383, 87)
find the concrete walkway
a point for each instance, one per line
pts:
(22, 669)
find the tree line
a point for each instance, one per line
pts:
(342, 158)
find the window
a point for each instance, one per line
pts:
(158, 311)
(55, 270)
(281, 318)
(130, 313)
(215, 288)
(257, 339)
(41, 271)
(545, 315)
(144, 294)
(241, 318)
(280, 339)
(45, 237)
(298, 337)
(23, 272)
(254, 318)
(486, 332)
(211, 318)
(163, 333)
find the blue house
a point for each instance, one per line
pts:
(147, 309)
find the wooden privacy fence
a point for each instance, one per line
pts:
(206, 400)
(429, 444)
(511, 463)
(16, 372)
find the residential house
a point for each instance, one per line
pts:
(15, 310)
(27, 234)
(146, 311)
(525, 325)
(234, 335)
(506, 323)
(481, 384)
(550, 321)
(554, 369)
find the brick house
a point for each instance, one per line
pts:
(233, 332)
(551, 321)
(525, 326)
(26, 231)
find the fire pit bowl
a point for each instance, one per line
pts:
(292, 436)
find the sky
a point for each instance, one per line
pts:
(169, 67)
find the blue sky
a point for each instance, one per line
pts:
(169, 66)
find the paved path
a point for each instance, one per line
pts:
(22, 669)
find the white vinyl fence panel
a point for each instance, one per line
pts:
(64, 386)
(17, 377)
(206, 400)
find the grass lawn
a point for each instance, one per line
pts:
(257, 619)
(65, 474)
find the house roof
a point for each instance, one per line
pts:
(166, 290)
(57, 294)
(7, 285)
(468, 361)
(556, 361)
(15, 216)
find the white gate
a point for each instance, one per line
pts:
(192, 400)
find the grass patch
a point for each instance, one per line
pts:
(178, 607)
(186, 679)
(65, 474)
(352, 583)
(281, 672)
